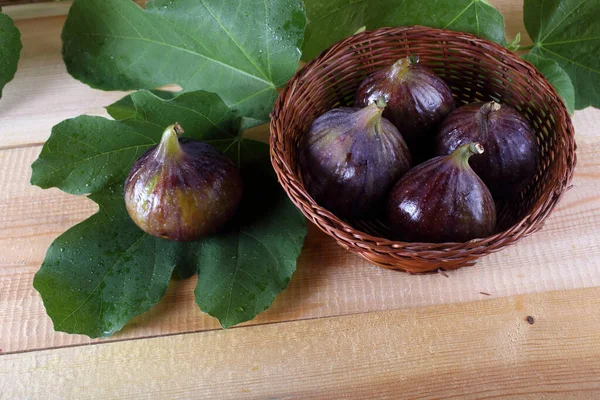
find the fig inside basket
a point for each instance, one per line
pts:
(475, 70)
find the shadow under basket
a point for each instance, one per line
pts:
(476, 70)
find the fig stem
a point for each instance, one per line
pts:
(400, 68)
(475, 148)
(371, 114)
(490, 107)
(381, 103)
(462, 153)
(484, 115)
(178, 129)
(169, 142)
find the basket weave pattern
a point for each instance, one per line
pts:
(475, 70)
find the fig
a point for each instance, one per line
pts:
(417, 101)
(182, 189)
(442, 200)
(350, 158)
(512, 152)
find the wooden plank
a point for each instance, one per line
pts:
(38, 10)
(42, 93)
(17, 2)
(484, 349)
(42, 79)
(329, 280)
(29, 9)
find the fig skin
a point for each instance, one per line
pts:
(350, 158)
(442, 200)
(512, 151)
(417, 101)
(182, 189)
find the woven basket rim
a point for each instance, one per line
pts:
(528, 224)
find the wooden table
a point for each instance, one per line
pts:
(343, 328)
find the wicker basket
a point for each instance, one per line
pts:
(476, 70)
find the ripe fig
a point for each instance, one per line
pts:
(512, 152)
(182, 189)
(350, 159)
(418, 100)
(442, 200)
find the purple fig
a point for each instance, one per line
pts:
(512, 152)
(182, 189)
(442, 200)
(417, 101)
(350, 159)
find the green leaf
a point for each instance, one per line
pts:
(240, 49)
(10, 49)
(330, 21)
(104, 271)
(568, 32)
(86, 154)
(242, 270)
(557, 77)
(125, 108)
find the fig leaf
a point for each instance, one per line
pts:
(104, 271)
(568, 32)
(557, 77)
(332, 20)
(240, 49)
(10, 49)
(242, 269)
(86, 154)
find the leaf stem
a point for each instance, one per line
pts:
(528, 47)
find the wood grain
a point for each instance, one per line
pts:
(37, 10)
(15, 2)
(29, 9)
(43, 94)
(385, 353)
(482, 350)
(329, 280)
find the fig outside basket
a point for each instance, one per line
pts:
(476, 70)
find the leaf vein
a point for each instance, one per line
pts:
(262, 244)
(242, 72)
(459, 14)
(563, 20)
(99, 283)
(45, 175)
(252, 61)
(572, 61)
